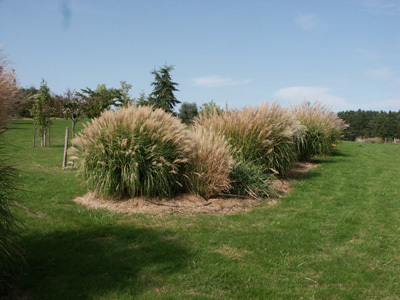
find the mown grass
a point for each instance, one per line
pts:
(336, 236)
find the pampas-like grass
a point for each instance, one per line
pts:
(323, 129)
(210, 164)
(133, 151)
(263, 134)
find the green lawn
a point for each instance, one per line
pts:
(336, 236)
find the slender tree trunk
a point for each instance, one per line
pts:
(73, 128)
(45, 136)
(49, 136)
(34, 135)
(64, 165)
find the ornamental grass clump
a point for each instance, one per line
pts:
(10, 253)
(251, 180)
(322, 132)
(133, 151)
(263, 135)
(210, 164)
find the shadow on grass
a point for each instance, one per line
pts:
(338, 152)
(106, 260)
(336, 156)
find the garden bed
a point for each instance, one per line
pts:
(191, 204)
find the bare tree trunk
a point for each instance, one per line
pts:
(64, 165)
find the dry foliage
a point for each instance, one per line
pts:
(264, 134)
(8, 89)
(318, 115)
(322, 128)
(210, 163)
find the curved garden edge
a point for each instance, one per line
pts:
(192, 204)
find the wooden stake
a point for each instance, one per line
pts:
(64, 165)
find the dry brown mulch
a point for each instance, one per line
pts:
(191, 204)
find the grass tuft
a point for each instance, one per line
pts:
(262, 134)
(133, 151)
(322, 129)
(251, 180)
(210, 164)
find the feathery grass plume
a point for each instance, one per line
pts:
(133, 151)
(252, 180)
(263, 134)
(323, 129)
(8, 89)
(209, 165)
(10, 252)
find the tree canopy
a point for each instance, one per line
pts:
(371, 124)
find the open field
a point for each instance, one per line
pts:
(336, 236)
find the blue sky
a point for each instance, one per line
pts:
(346, 53)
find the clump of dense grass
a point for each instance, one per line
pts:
(322, 129)
(263, 134)
(10, 252)
(133, 151)
(210, 164)
(251, 180)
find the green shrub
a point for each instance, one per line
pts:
(133, 151)
(322, 129)
(188, 112)
(210, 163)
(263, 134)
(251, 180)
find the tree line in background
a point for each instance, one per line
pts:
(370, 124)
(42, 105)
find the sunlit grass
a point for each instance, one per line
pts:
(334, 237)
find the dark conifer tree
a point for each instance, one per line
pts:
(164, 88)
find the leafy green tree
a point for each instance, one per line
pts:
(73, 108)
(370, 124)
(102, 98)
(41, 111)
(24, 103)
(188, 112)
(164, 88)
(123, 98)
(97, 100)
(209, 107)
(142, 100)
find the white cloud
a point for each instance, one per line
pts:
(386, 74)
(307, 21)
(387, 7)
(312, 93)
(217, 81)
